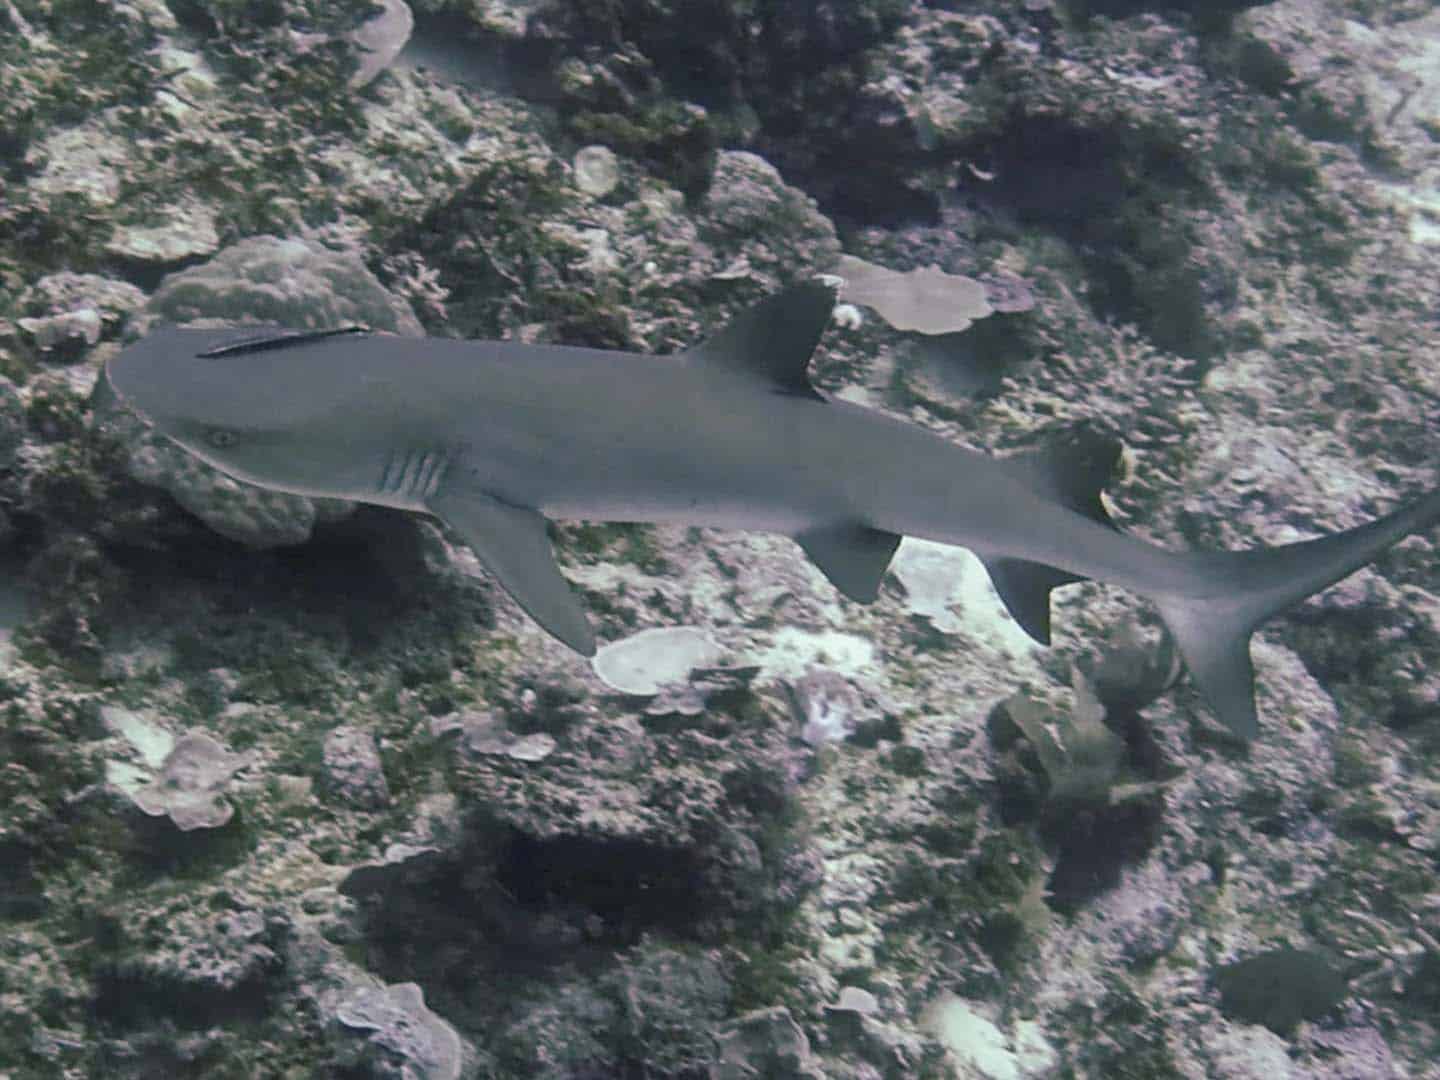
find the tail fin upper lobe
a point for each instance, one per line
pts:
(1233, 592)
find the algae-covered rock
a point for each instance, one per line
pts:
(189, 231)
(201, 964)
(656, 1005)
(64, 310)
(766, 1042)
(284, 281)
(352, 771)
(239, 511)
(752, 216)
(12, 423)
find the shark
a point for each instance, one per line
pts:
(496, 438)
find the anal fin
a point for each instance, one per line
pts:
(1024, 588)
(511, 543)
(852, 556)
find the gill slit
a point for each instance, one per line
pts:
(415, 471)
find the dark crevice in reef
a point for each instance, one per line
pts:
(532, 893)
(127, 999)
(365, 576)
(630, 886)
(1093, 849)
(22, 894)
(767, 77)
(1118, 198)
(523, 909)
(452, 48)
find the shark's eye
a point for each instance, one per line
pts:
(220, 438)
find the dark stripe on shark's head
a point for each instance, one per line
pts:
(282, 340)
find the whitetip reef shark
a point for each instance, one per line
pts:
(494, 438)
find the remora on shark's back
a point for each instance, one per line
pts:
(494, 437)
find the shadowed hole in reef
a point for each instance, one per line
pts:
(1092, 850)
(454, 50)
(478, 928)
(1113, 194)
(126, 999)
(373, 549)
(365, 576)
(630, 886)
(21, 894)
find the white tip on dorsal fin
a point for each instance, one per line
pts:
(774, 339)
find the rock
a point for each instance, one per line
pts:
(286, 282)
(597, 170)
(353, 772)
(403, 1038)
(380, 40)
(642, 663)
(188, 230)
(767, 1042)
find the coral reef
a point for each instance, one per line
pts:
(288, 788)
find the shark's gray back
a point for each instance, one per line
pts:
(590, 433)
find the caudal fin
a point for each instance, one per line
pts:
(1233, 592)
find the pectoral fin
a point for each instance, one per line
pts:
(511, 542)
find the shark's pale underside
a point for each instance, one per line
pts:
(493, 438)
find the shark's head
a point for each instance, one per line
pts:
(263, 406)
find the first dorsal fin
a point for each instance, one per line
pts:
(1072, 467)
(774, 339)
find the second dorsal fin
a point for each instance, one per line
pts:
(1073, 467)
(774, 339)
